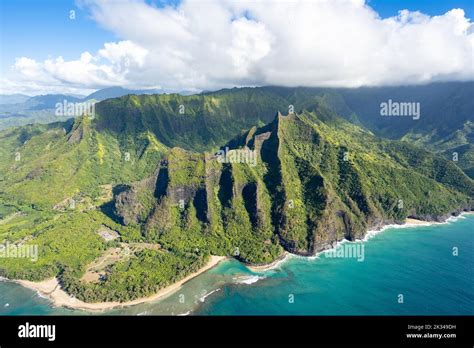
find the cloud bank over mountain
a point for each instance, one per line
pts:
(221, 43)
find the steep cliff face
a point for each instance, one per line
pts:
(299, 183)
(197, 122)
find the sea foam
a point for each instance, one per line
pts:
(203, 298)
(247, 279)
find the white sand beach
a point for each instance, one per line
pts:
(51, 289)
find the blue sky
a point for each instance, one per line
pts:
(388, 8)
(43, 29)
(38, 29)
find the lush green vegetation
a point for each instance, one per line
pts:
(136, 169)
(318, 179)
(140, 276)
(68, 239)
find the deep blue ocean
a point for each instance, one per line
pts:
(422, 270)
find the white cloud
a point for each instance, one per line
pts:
(251, 42)
(109, 67)
(123, 54)
(221, 43)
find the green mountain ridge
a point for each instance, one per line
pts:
(155, 176)
(209, 119)
(302, 188)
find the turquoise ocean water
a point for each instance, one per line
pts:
(430, 267)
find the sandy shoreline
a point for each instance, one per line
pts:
(410, 221)
(51, 290)
(266, 267)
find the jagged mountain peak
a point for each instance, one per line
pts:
(297, 183)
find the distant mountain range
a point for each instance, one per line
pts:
(13, 98)
(445, 125)
(20, 109)
(48, 101)
(114, 92)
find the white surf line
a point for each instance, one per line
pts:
(370, 234)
